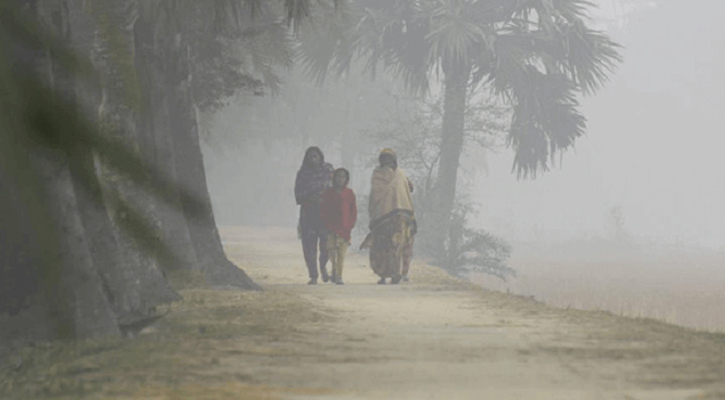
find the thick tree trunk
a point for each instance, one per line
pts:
(31, 304)
(444, 192)
(133, 289)
(85, 311)
(139, 285)
(25, 310)
(156, 126)
(218, 270)
(69, 286)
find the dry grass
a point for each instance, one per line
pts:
(184, 352)
(679, 287)
(266, 345)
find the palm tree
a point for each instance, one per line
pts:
(537, 55)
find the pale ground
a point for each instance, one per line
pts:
(436, 338)
(432, 338)
(684, 286)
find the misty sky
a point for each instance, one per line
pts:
(654, 145)
(653, 148)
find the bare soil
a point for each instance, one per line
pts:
(432, 338)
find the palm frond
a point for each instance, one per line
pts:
(452, 38)
(299, 11)
(537, 54)
(545, 119)
(590, 56)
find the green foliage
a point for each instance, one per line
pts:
(413, 131)
(237, 45)
(474, 250)
(242, 55)
(537, 55)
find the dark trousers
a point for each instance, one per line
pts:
(310, 242)
(314, 236)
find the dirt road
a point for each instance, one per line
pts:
(432, 338)
(440, 338)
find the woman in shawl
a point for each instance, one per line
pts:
(313, 178)
(392, 220)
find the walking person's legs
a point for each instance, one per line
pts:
(407, 257)
(340, 250)
(309, 248)
(332, 254)
(324, 256)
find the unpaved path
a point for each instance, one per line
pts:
(432, 338)
(437, 337)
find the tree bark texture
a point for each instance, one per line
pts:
(68, 289)
(155, 125)
(189, 167)
(85, 310)
(456, 80)
(139, 286)
(25, 312)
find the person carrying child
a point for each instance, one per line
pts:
(339, 213)
(314, 176)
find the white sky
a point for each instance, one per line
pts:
(654, 145)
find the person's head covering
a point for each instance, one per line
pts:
(347, 176)
(310, 150)
(390, 153)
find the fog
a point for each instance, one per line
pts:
(652, 152)
(151, 160)
(653, 147)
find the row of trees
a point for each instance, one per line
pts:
(106, 199)
(106, 208)
(536, 55)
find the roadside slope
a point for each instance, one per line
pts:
(433, 338)
(438, 337)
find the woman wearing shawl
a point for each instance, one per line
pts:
(392, 220)
(313, 178)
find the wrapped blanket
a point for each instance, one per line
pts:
(389, 192)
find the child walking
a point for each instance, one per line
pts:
(339, 213)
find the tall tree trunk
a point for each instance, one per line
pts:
(86, 312)
(134, 290)
(26, 310)
(444, 192)
(30, 301)
(218, 270)
(156, 126)
(140, 283)
(71, 282)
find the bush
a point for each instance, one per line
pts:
(474, 250)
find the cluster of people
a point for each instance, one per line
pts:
(328, 213)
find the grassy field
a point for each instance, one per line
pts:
(676, 285)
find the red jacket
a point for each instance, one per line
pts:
(339, 211)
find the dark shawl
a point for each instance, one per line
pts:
(312, 180)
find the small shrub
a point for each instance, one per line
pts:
(474, 250)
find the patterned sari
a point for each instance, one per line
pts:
(392, 225)
(391, 244)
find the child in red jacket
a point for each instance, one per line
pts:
(339, 213)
